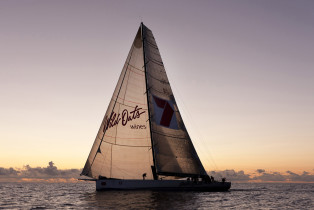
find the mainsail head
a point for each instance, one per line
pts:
(143, 126)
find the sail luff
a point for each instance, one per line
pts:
(148, 105)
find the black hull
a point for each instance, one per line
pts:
(161, 185)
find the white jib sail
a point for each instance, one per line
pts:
(122, 148)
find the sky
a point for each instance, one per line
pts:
(242, 73)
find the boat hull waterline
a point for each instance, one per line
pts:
(176, 185)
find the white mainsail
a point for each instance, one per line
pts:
(143, 131)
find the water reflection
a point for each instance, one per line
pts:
(84, 196)
(121, 199)
(150, 199)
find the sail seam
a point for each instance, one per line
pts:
(135, 67)
(176, 137)
(123, 145)
(136, 72)
(124, 138)
(127, 101)
(153, 45)
(127, 105)
(156, 62)
(162, 81)
(162, 92)
(155, 53)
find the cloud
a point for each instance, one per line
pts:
(262, 176)
(8, 172)
(231, 175)
(260, 171)
(304, 177)
(49, 174)
(270, 177)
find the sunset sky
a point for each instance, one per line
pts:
(242, 73)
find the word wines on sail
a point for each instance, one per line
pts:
(124, 118)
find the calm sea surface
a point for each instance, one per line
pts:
(84, 196)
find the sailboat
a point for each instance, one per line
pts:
(142, 142)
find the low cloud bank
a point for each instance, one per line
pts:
(262, 175)
(39, 174)
(52, 174)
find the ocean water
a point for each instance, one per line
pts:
(82, 195)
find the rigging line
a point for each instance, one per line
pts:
(202, 140)
(113, 106)
(204, 145)
(204, 148)
(185, 128)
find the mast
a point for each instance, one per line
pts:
(148, 105)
